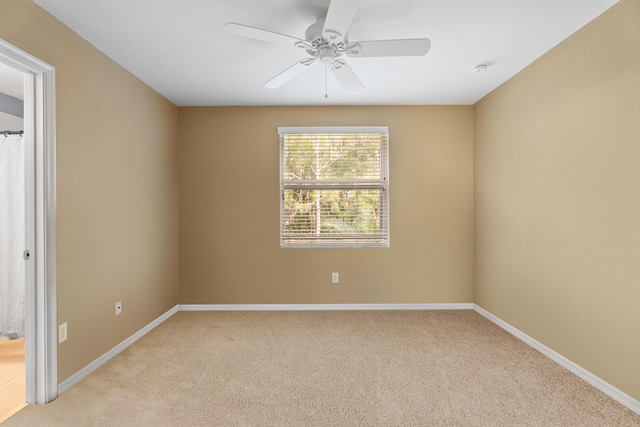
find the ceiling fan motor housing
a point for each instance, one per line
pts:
(323, 48)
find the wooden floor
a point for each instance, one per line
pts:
(12, 380)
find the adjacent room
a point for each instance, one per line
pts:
(12, 231)
(333, 212)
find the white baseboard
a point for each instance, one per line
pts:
(82, 373)
(576, 369)
(323, 307)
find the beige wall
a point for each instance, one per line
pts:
(229, 210)
(117, 189)
(557, 152)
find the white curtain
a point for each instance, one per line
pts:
(12, 268)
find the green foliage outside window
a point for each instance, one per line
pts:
(333, 187)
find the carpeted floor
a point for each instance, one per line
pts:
(377, 368)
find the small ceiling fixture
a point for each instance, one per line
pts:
(479, 69)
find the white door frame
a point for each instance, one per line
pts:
(40, 187)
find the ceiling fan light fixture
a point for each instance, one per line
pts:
(327, 54)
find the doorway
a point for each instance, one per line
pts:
(40, 345)
(12, 242)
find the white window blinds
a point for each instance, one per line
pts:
(334, 187)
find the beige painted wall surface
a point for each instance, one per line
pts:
(557, 203)
(117, 189)
(229, 210)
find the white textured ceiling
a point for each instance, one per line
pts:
(180, 50)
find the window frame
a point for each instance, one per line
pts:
(354, 241)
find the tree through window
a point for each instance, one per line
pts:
(334, 187)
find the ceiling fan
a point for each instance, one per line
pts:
(326, 41)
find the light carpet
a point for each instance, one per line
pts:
(333, 368)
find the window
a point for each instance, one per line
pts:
(334, 187)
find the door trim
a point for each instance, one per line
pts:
(40, 182)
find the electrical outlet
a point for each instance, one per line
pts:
(335, 278)
(62, 332)
(118, 307)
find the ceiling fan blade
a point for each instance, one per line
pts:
(259, 34)
(339, 17)
(289, 73)
(347, 78)
(402, 47)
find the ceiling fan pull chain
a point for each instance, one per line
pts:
(326, 71)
